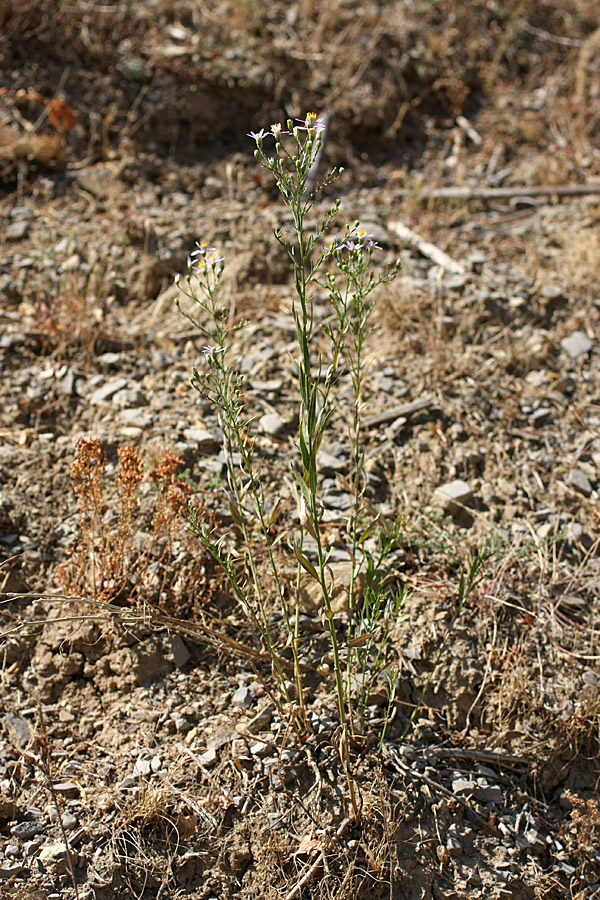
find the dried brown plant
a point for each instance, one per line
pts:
(108, 562)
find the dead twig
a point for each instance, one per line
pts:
(504, 193)
(426, 248)
(397, 412)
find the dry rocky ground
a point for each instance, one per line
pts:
(139, 729)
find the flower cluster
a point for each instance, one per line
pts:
(310, 123)
(204, 257)
(358, 241)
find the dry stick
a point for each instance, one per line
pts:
(486, 756)
(318, 861)
(426, 248)
(397, 412)
(504, 193)
(130, 617)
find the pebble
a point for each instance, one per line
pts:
(11, 870)
(208, 758)
(202, 438)
(242, 697)
(541, 416)
(340, 502)
(18, 727)
(579, 481)
(453, 846)
(477, 260)
(16, 231)
(142, 767)
(137, 418)
(451, 497)
(70, 822)
(576, 344)
(489, 793)
(26, 830)
(67, 789)
(329, 464)
(271, 424)
(463, 786)
(56, 853)
(106, 392)
(261, 719)
(128, 782)
(128, 398)
(179, 650)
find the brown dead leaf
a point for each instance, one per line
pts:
(309, 845)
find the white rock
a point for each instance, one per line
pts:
(451, 497)
(576, 344)
(271, 424)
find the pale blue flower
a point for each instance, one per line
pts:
(210, 351)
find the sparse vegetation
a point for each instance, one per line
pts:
(360, 690)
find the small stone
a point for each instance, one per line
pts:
(26, 830)
(260, 749)
(579, 481)
(271, 424)
(339, 576)
(454, 848)
(16, 231)
(329, 464)
(489, 793)
(182, 725)
(576, 344)
(107, 391)
(70, 264)
(477, 261)
(156, 763)
(11, 870)
(142, 767)
(30, 848)
(451, 497)
(128, 782)
(340, 502)
(137, 418)
(208, 758)
(454, 283)
(202, 438)
(407, 752)
(541, 416)
(129, 398)
(12, 850)
(591, 678)
(19, 730)
(531, 840)
(261, 719)
(70, 822)
(67, 789)
(181, 654)
(463, 786)
(56, 854)
(242, 697)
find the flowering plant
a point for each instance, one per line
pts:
(343, 268)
